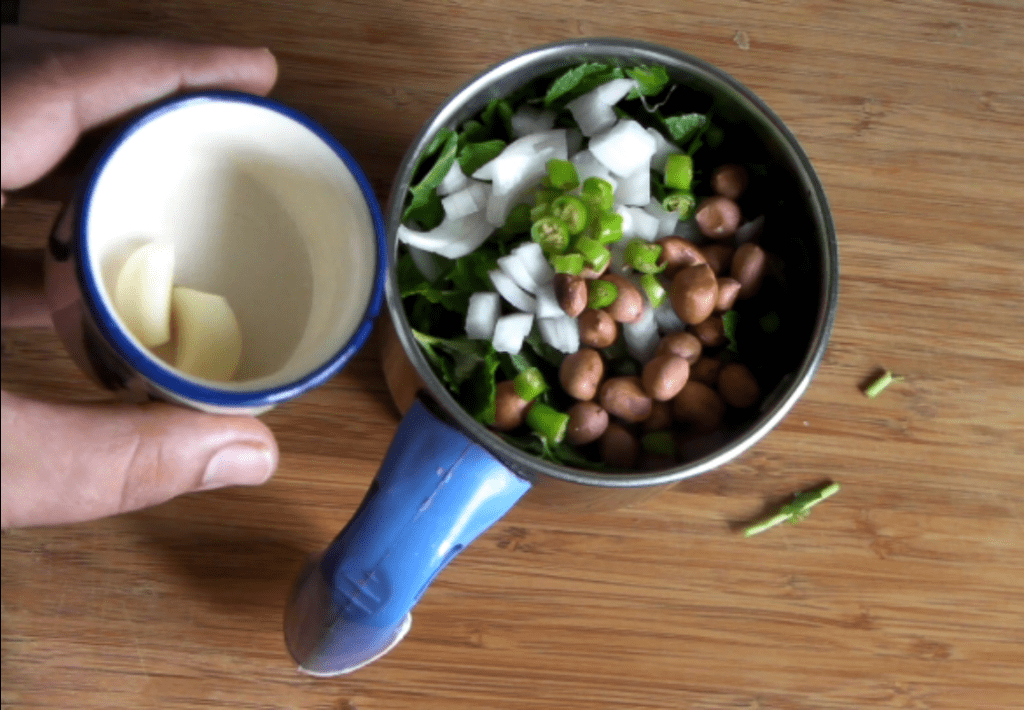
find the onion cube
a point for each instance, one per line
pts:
(516, 269)
(662, 149)
(453, 181)
(593, 110)
(624, 147)
(452, 238)
(666, 220)
(636, 222)
(482, 315)
(547, 302)
(510, 331)
(588, 166)
(511, 292)
(667, 319)
(531, 119)
(532, 256)
(471, 198)
(635, 188)
(642, 337)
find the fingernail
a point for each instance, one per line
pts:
(238, 465)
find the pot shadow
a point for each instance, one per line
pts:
(214, 543)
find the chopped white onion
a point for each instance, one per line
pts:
(642, 337)
(510, 331)
(624, 147)
(511, 292)
(636, 222)
(531, 119)
(667, 319)
(666, 220)
(588, 166)
(561, 332)
(453, 181)
(482, 315)
(532, 256)
(516, 269)
(573, 142)
(593, 110)
(662, 149)
(635, 189)
(471, 198)
(426, 262)
(547, 302)
(452, 238)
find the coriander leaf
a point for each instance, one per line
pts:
(425, 192)
(682, 127)
(497, 118)
(579, 80)
(651, 81)
(428, 213)
(480, 393)
(472, 156)
(544, 351)
(469, 273)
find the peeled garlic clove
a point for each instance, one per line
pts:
(209, 339)
(142, 294)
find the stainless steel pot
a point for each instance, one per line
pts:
(447, 478)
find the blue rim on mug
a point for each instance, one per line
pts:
(165, 377)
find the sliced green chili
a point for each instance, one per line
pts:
(608, 228)
(643, 256)
(548, 422)
(656, 293)
(679, 201)
(600, 192)
(572, 211)
(562, 175)
(529, 384)
(679, 171)
(594, 252)
(551, 233)
(567, 263)
(601, 293)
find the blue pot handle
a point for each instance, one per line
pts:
(435, 493)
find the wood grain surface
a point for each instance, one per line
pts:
(904, 591)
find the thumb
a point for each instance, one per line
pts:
(68, 463)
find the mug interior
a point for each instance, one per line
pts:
(260, 209)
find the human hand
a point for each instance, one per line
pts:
(64, 463)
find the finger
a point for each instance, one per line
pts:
(22, 304)
(57, 86)
(69, 463)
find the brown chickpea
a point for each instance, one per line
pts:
(694, 293)
(718, 256)
(718, 217)
(571, 292)
(749, 264)
(581, 373)
(728, 291)
(619, 448)
(698, 405)
(509, 407)
(706, 370)
(710, 331)
(663, 376)
(628, 306)
(678, 253)
(683, 344)
(730, 181)
(659, 418)
(597, 328)
(587, 422)
(625, 398)
(738, 386)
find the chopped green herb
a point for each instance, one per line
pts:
(651, 81)
(473, 156)
(794, 511)
(730, 321)
(878, 386)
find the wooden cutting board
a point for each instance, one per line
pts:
(906, 590)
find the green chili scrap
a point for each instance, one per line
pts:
(795, 511)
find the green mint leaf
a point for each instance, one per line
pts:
(682, 128)
(497, 119)
(730, 321)
(651, 81)
(579, 80)
(472, 156)
(422, 207)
